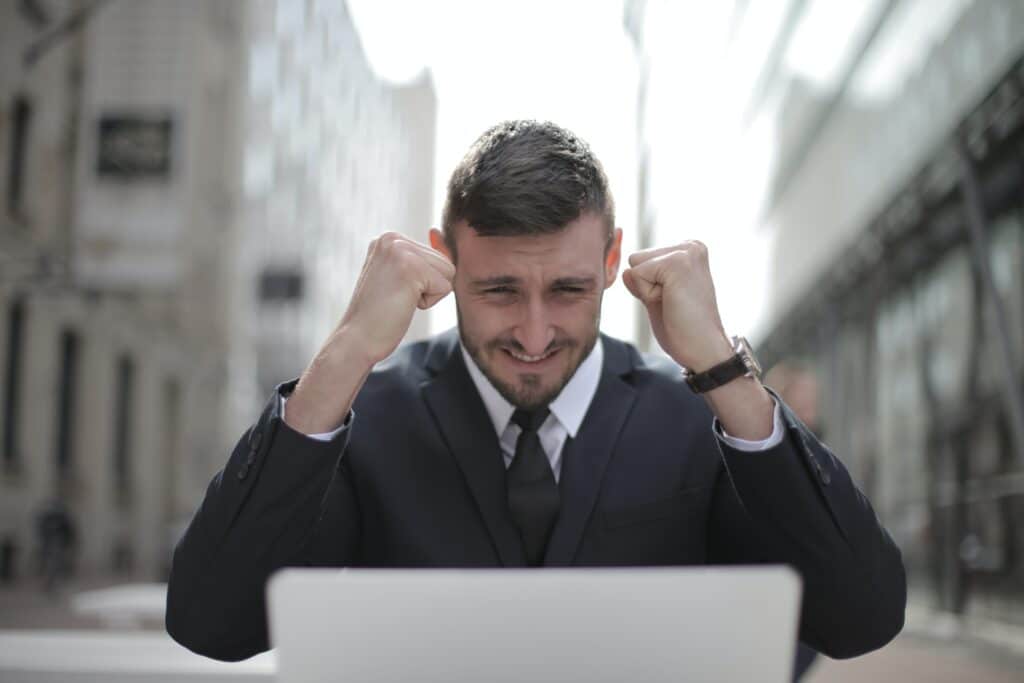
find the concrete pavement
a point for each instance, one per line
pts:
(911, 657)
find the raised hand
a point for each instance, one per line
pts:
(399, 275)
(674, 284)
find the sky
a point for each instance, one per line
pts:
(568, 62)
(572, 62)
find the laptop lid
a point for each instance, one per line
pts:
(660, 624)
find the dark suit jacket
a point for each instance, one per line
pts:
(416, 479)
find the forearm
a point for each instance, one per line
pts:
(328, 387)
(744, 408)
(797, 505)
(254, 519)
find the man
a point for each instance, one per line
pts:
(527, 438)
(56, 543)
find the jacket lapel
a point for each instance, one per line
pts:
(585, 457)
(460, 415)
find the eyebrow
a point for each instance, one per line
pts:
(584, 282)
(506, 280)
(495, 281)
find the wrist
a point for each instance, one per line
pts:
(716, 350)
(325, 392)
(348, 347)
(744, 407)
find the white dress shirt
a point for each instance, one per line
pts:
(567, 413)
(567, 410)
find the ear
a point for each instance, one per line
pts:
(611, 259)
(438, 243)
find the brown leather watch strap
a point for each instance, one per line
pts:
(718, 375)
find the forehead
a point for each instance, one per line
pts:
(578, 249)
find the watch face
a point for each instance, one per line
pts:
(743, 348)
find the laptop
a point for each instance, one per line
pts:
(718, 624)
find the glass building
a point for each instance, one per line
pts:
(917, 334)
(857, 170)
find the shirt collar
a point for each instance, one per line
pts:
(569, 407)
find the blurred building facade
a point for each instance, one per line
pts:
(336, 151)
(887, 142)
(189, 190)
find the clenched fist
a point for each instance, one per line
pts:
(398, 276)
(674, 283)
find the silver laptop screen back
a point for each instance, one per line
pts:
(592, 625)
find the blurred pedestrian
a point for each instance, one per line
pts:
(57, 538)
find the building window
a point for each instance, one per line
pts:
(12, 384)
(123, 429)
(171, 444)
(122, 556)
(67, 393)
(280, 285)
(8, 559)
(35, 13)
(20, 119)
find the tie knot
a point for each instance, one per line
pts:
(530, 421)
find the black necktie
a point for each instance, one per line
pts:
(533, 497)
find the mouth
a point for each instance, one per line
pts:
(526, 360)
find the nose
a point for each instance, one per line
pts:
(534, 331)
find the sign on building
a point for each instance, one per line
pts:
(133, 147)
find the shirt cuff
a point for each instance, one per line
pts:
(322, 436)
(773, 440)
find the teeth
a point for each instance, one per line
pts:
(528, 359)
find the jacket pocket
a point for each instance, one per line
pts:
(615, 518)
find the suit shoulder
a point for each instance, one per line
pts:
(398, 375)
(658, 374)
(662, 367)
(664, 375)
(623, 356)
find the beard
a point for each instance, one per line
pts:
(528, 392)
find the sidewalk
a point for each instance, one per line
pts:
(27, 606)
(914, 658)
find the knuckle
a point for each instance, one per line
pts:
(389, 239)
(406, 261)
(392, 244)
(409, 265)
(679, 257)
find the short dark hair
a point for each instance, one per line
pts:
(526, 177)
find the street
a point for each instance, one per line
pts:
(914, 656)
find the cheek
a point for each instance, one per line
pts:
(579, 316)
(480, 318)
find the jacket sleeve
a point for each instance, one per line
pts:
(282, 499)
(796, 504)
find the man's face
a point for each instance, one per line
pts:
(529, 305)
